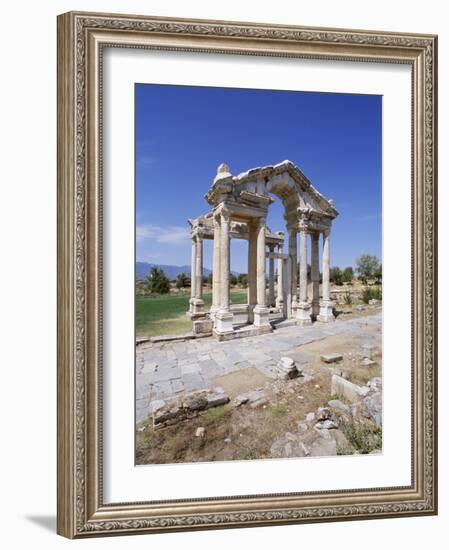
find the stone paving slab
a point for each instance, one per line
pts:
(165, 369)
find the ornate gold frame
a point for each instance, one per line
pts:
(81, 37)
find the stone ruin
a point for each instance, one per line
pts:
(239, 211)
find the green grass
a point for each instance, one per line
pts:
(166, 314)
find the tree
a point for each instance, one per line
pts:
(243, 280)
(367, 266)
(157, 282)
(182, 280)
(232, 279)
(348, 274)
(378, 274)
(336, 276)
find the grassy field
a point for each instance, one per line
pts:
(166, 314)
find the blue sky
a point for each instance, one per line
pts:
(183, 134)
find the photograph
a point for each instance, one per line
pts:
(258, 274)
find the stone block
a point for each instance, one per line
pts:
(331, 357)
(202, 326)
(352, 392)
(217, 397)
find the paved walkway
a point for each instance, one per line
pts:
(167, 368)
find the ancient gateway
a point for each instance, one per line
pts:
(239, 211)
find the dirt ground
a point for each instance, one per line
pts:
(241, 433)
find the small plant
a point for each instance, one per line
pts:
(216, 413)
(248, 455)
(279, 410)
(343, 450)
(364, 437)
(347, 298)
(372, 293)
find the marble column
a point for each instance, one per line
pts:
(292, 250)
(216, 294)
(223, 318)
(315, 274)
(280, 280)
(271, 301)
(261, 311)
(196, 276)
(326, 306)
(304, 309)
(199, 268)
(252, 269)
(193, 272)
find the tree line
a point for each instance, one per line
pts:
(368, 268)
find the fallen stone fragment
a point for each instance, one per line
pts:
(326, 425)
(302, 427)
(368, 362)
(156, 404)
(227, 440)
(287, 368)
(323, 447)
(189, 405)
(360, 308)
(339, 405)
(372, 407)
(323, 413)
(375, 384)
(310, 417)
(200, 431)
(351, 392)
(240, 400)
(331, 357)
(216, 398)
(259, 403)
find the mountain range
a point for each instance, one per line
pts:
(172, 271)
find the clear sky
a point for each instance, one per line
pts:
(183, 134)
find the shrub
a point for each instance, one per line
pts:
(336, 276)
(347, 298)
(157, 282)
(348, 275)
(372, 293)
(182, 280)
(364, 436)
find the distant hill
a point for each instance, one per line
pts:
(172, 271)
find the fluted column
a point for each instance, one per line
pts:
(315, 274)
(223, 317)
(326, 306)
(199, 268)
(303, 310)
(326, 267)
(261, 262)
(280, 280)
(271, 301)
(252, 269)
(292, 250)
(193, 271)
(225, 261)
(196, 277)
(261, 311)
(216, 267)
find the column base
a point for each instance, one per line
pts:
(326, 312)
(196, 306)
(223, 322)
(303, 311)
(261, 316)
